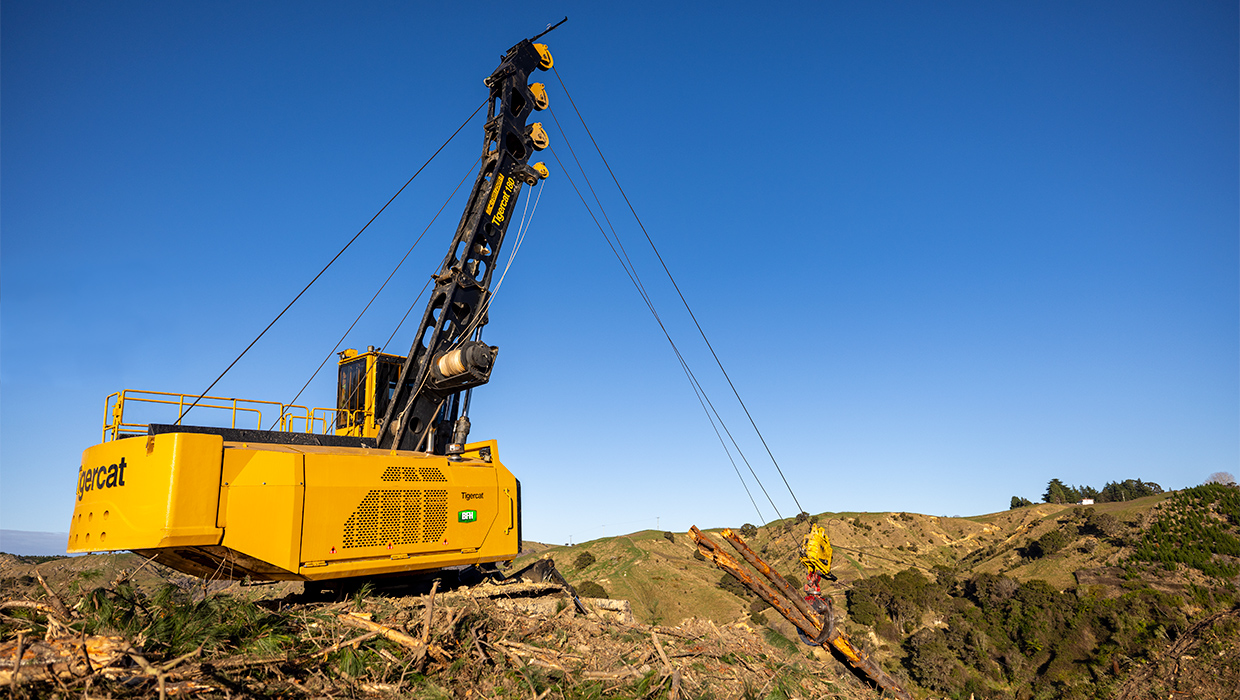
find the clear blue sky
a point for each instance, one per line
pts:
(947, 251)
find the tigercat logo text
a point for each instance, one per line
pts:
(510, 186)
(499, 183)
(470, 496)
(107, 477)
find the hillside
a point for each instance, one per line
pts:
(1130, 600)
(1080, 565)
(671, 585)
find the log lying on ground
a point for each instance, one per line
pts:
(43, 660)
(395, 635)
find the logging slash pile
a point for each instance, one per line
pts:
(521, 640)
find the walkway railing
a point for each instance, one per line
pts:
(241, 413)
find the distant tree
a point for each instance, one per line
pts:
(1059, 492)
(583, 560)
(802, 517)
(669, 537)
(1223, 478)
(1127, 490)
(1018, 502)
(1087, 492)
(749, 530)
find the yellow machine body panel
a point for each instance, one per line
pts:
(148, 492)
(261, 498)
(263, 511)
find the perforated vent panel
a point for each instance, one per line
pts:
(396, 472)
(431, 474)
(397, 517)
(436, 515)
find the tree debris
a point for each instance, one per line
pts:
(117, 642)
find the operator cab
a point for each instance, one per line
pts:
(366, 384)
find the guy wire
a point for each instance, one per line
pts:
(376, 296)
(329, 264)
(632, 274)
(679, 293)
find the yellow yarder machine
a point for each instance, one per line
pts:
(384, 483)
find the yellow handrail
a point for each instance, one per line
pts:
(291, 415)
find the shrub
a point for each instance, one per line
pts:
(1103, 524)
(863, 610)
(802, 517)
(749, 530)
(698, 555)
(995, 632)
(669, 537)
(731, 585)
(583, 560)
(931, 663)
(990, 591)
(1048, 544)
(944, 577)
(590, 589)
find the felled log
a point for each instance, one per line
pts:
(793, 609)
(65, 658)
(396, 636)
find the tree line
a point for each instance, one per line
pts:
(1126, 490)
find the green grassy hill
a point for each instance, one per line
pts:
(664, 581)
(1041, 601)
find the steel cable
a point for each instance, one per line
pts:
(679, 293)
(693, 382)
(522, 228)
(376, 296)
(329, 264)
